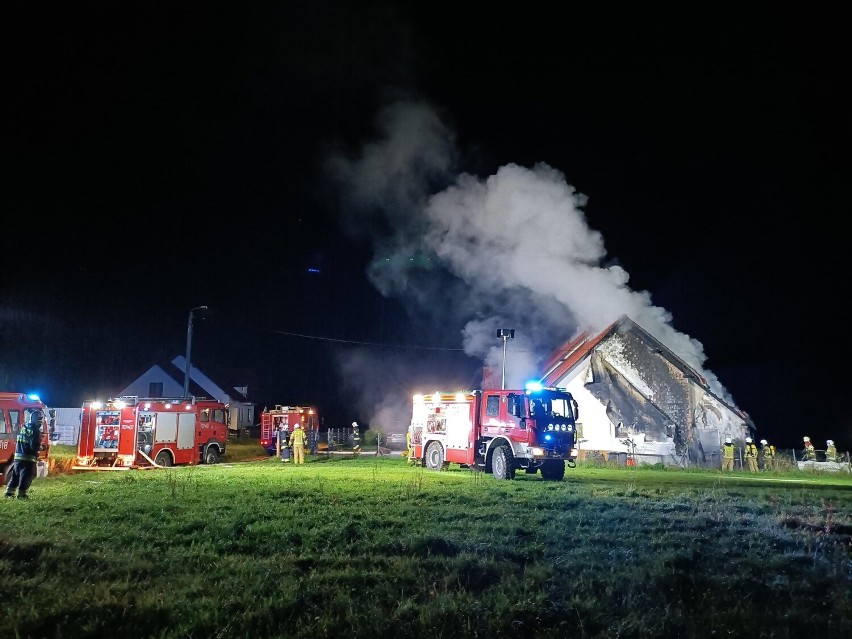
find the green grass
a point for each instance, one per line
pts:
(371, 547)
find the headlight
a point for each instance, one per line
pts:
(538, 452)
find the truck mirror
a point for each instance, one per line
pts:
(54, 437)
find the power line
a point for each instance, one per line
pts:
(360, 343)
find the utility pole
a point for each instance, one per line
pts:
(506, 334)
(187, 364)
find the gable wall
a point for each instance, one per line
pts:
(663, 408)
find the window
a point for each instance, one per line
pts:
(155, 389)
(492, 406)
(15, 416)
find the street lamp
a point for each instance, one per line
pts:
(187, 365)
(505, 333)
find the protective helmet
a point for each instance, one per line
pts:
(830, 442)
(806, 438)
(36, 417)
(354, 424)
(763, 442)
(748, 440)
(727, 440)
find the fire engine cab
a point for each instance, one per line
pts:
(496, 431)
(15, 409)
(136, 432)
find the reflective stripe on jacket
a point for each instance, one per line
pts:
(27, 443)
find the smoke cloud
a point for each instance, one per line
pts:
(468, 255)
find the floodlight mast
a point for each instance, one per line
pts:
(187, 365)
(505, 334)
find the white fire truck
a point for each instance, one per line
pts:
(496, 431)
(283, 419)
(152, 432)
(15, 409)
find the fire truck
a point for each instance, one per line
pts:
(496, 431)
(151, 432)
(284, 418)
(15, 409)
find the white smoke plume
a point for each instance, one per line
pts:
(473, 254)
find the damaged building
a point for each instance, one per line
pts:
(637, 396)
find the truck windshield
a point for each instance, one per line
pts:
(561, 406)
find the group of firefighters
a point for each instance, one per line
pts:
(831, 454)
(767, 451)
(298, 440)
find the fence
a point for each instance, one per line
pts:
(784, 459)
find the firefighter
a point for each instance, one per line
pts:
(408, 453)
(356, 437)
(283, 439)
(831, 451)
(297, 442)
(768, 454)
(25, 464)
(728, 454)
(751, 455)
(810, 453)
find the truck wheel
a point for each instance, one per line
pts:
(553, 470)
(434, 456)
(163, 459)
(211, 455)
(502, 463)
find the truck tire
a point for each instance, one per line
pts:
(163, 459)
(211, 455)
(434, 456)
(553, 470)
(502, 463)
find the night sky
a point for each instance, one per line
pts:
(362, 195)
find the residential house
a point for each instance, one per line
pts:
(633, 391)
(166, 379)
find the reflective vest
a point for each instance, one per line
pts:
(728, 451)
(297, 438)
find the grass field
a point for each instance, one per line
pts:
(372, 547)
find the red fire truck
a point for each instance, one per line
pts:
(151, 432)
(497, 431)
(15, 409)
(284, 418)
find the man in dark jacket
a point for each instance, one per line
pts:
(27, 446)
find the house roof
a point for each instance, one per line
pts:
(577, 349)
(176, 374)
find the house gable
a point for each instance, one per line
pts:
(630, 385)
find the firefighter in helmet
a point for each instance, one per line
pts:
(831, 451)
(768, 451)
(810, 452)
(25, 462)
(297, 442)
(356, 437)
(728, 454)
(751, 455)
